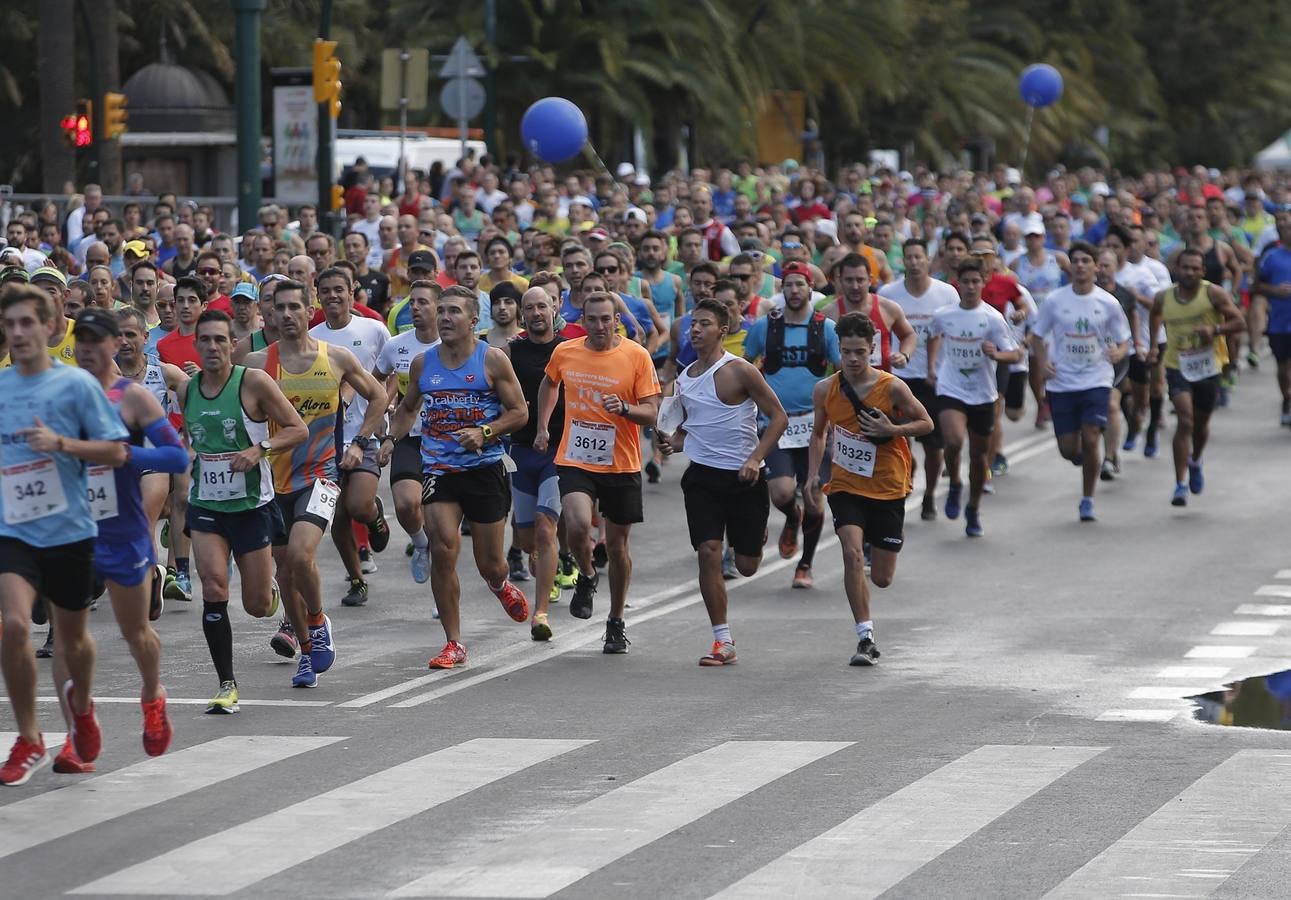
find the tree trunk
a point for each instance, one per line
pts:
(103, 16)
(55, 65)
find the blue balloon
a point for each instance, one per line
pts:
(554, 129)
(1040, 85)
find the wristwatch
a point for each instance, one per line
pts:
(487, 432)
(363, 443)
(265, 449)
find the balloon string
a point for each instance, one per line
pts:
(590, 152)
(1026, 146)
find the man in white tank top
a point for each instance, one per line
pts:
(714, 416)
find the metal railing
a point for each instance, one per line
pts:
(225, 208)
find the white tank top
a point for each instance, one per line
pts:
(717, 434)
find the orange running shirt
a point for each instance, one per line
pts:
(878, 471)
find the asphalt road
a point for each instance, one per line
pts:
(1023, 735)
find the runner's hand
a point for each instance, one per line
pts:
(988, 350)
(540, 441)
(1050, 370)
(750, 471)
(191, 369)
(246, 460)
(385, 452)
(664, 443)
(613, 404)
(905, 361)
(352, 457)
(470, 439)
(875, 424)
(810, 496)
(41, 439)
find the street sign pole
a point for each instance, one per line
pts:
(328, 221)
(462, 96)
(461, 122)
(402, 176)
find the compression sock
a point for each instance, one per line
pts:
(1154, 413)
(219, 637)
(811, 528)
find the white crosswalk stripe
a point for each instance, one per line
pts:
(560, 852)
(327, 821)
(28, 823)
(1193, 843)
(885, 843)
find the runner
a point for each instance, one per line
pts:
(869, 476)
(359, 502)
(1105, 278)
(310, 373)
(976, 340)
(1090, 336)
(724, 486)
(504, 305)
(852, 294)
(1144, 277)
(1274, 282)
(402, 452)
(1196, 315)
(920, 295)
(468, 399)
(124, 555)
(611, 392)
(796, 348)
(46, 529)
(227, 413)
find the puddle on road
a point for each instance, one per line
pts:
(1263, 701)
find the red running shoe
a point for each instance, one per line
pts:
(86, 736)
(452, 656)
(722, 655)
(69, 763)
(513, 601)
(25, 760)
(788, 544)
(157, 730)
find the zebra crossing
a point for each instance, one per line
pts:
(1187, 847)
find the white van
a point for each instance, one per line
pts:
(381, 150)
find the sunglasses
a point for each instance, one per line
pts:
(208, 271)
(608, 270)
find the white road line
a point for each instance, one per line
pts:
(883, 844)
(1138, 715)
(1212, 651)
(1262, 609)
(1283, 573)
(193, 701)
(53, 740)
(84, 804)
(1189, 846)
(1246, 629)
(1273, 590)
(258, 849)
(558, 853)
(1164, 692)
(1207, 672)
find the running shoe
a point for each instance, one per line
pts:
(567, 572)
(1000, 465)
(1180, 497)
(788, 543)
(652, 472)
(866, 547)
(729, 572)
(420, 564)
(275, 599)
(179, 587)
(554, 596)
(157, 730)
(1087, 510)
(972, 522)
(452, 656)
(1252, 359)
(1150, 444)
(540, 629)
(953, 494)
(85, 733)
(1285, 421)
(322, 650)
(580, 605)
(515, 564)
(39, 612)
(25, 760)
(367, 565)
(465, 528)
(802, 578)
(616, 637)
(305, 676)
(357, 594)
(721, 655)
(929, 511)
(68, 762)
(284, 641)
(1131, 440)
(226, 701)
(1196, 480)
(513, 601)
(165, 535)
(155, 602)
(408, 548)
(1224, 394)
(46, 650)
(378, 530)
(600, 555)
(867, 654)
(1108, 471)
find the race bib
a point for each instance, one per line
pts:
(218, 481)
(591, 443)
(798, 434)
(101, 488)
(876, 352)
(1199, 364)
(32, 490)
(322, 499)
(671, 414)
(1081, 352)
(854, 453)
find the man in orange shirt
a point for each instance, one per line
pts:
(611, 392)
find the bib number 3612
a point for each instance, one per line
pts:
(591, 443)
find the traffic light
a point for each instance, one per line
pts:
(338, 197)
(78, 128)
(115, 114)
(327, 76)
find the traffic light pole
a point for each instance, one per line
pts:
(327, 218)
(97, 131)
(247, 58)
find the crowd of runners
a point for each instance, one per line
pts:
(518, 351)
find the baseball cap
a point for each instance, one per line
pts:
(51, 274)
(135, 248)
(1012, 176)
(751, 245)
(795, 268)
(635, 214)
(598, 234)
(1100, 188)
(1080, 198)
(827, 227)
(582, 199)
(422, 259)
(97, 322)
(642, 180)
(245, 290)
(14, 273)
(1033, 228)
(625, 169)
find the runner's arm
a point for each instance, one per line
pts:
(548, 394)
(176, 379)
(902, 329)
(918, 422)
(104, 453)
(816, 446)
(1154, 326)
(515, 409)
(769, 405)
(1234, 322)
(402, 418)
(644, 411)
(660, 326)
(168, 453)
(273, 404)
(932, 344)
(625, 314)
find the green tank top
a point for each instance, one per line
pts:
(218, 428)
(258, 341)
(1184, 350)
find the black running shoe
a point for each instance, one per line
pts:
(866, 653)
(600, 556)
(39, 612)
(616, 637)
(652, 472)
(46, 650)
(156, 603)
(515, 563)
(358, 593)
(378, 530)
(580, 605)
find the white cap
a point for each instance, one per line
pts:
(625, 169)
(635, 213)
(1012, 176)
(1100, 188)
(827, 227)
(1033, 228)
(583, 200)
(642, 180)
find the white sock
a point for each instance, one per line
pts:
(1083, 499)
(498, 589)
(865, 629)
(722, 634)
(420, 541)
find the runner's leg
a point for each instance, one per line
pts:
(16, 657)
(620, 568)
(442, 524)
(211, 553)
(1183, 431)
(130, 606)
